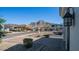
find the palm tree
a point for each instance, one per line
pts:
(2, 21)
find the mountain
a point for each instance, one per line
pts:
(44, 26)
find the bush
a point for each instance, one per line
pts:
(28, 42)
(2, 33)
(46, 36)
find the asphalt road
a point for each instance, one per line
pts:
(10, 35)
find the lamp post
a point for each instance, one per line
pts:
(68, 21)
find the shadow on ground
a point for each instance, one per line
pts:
(42, 44)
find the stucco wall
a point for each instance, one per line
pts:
(74, 33)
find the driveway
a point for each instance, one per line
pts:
(42, 44)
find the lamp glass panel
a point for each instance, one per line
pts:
(67, 22)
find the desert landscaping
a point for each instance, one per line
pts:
(15, 40)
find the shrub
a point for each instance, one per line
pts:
(46, 36)
(28, 42)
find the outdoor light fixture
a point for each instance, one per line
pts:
(68, 21)
(68, 18)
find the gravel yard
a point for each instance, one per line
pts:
(39, 43)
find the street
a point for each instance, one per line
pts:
(14, 34)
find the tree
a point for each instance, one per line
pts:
(2, 21)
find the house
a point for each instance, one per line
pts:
(74, 28)
(16, 27)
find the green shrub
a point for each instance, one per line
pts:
(46, 36)
(28, 42)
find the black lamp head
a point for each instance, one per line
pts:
(68, 15)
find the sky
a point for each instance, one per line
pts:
(26, 15)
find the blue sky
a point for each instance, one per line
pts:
(26, 15)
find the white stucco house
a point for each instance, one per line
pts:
(74, 29)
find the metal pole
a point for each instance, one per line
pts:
(68, 38)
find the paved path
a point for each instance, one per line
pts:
(42, 44)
